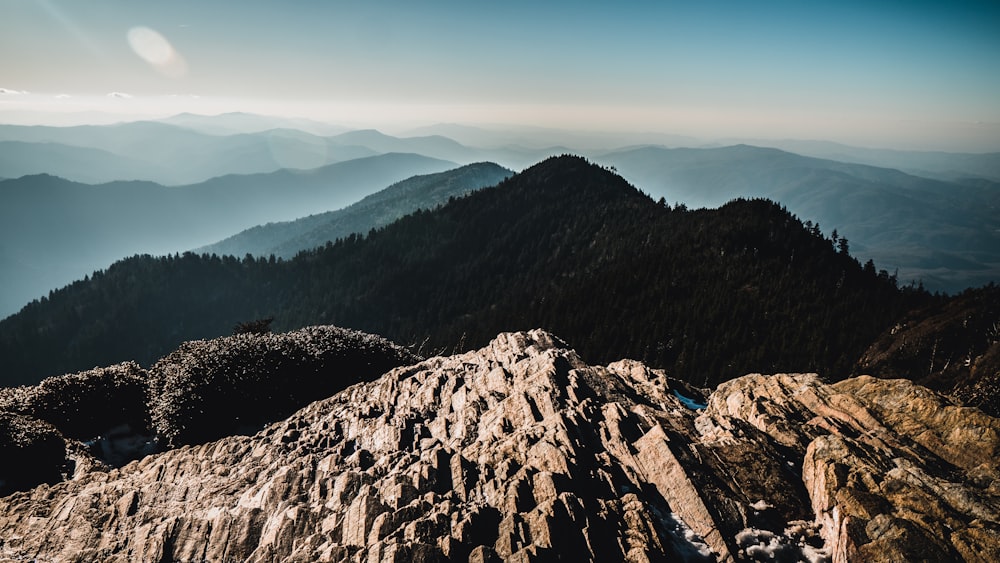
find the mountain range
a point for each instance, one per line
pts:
(54, 231)
(286, 239)
(532, 251)
(943, 234)
(649, 434)
(190, 149)
(940, 232)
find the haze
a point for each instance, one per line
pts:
(918, 75)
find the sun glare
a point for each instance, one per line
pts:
(154, 48)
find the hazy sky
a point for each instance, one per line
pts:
(906, 73)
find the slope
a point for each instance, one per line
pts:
(945, 234)
(55, 231)
(286, 239)
(565, 245)
(949, 345)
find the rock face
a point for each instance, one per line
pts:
(521, 452)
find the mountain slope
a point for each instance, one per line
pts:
(565, 245)
(521, 451)
(54, 231)
(376, 210)
(951, 345)
(945, 234)
(80, 164)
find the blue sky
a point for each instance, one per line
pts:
(854, 71)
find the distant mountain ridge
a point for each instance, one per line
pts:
(287, 239)
(944, 233)
(55, 231)
(940, 165)
(189, 149)
(166, 154)
(708, 294)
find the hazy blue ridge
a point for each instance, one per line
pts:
(286, 239)
(55, 231)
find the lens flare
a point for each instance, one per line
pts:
(154, 48)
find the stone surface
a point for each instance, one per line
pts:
(521, 452)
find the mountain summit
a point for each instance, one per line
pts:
(708, 294)
(520, 451)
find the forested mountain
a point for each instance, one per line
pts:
(53, 231)
(945, 234)
(565, 245)
(286, 239)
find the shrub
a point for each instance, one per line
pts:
(31, 452)
(207, 389)
(86, 404)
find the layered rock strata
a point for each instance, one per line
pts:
(521, 452)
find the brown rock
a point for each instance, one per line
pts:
(521, 452)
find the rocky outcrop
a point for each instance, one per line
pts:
(521, 452)
(206, 389)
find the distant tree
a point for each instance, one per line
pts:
(869, 268)
(259, 326)
(842, 245)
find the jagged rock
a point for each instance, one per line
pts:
(521, 452)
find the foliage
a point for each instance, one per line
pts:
(84, 405)
(207, 389)
(32, 451)
(259, 326)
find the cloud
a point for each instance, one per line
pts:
(154, 48)
(119, 95)
(63, 96)
(9, 92)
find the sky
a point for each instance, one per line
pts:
(906, 74)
